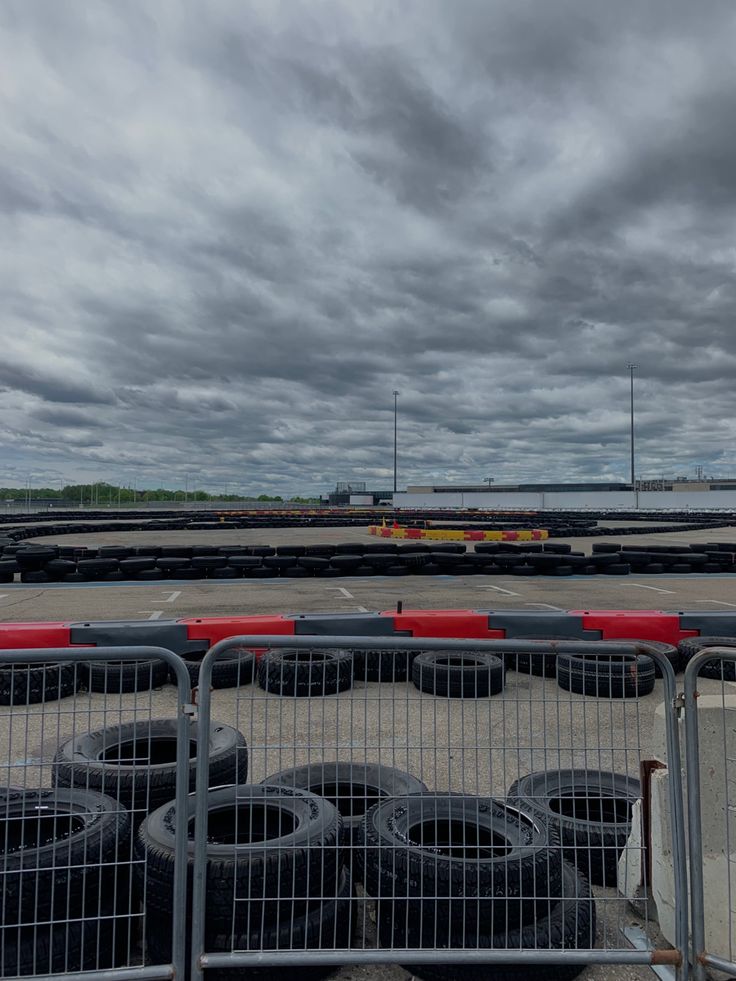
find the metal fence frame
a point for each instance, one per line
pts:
(662, 960)
(150, 972)
(701, 957)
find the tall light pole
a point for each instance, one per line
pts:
(632, 368)
(396, 435)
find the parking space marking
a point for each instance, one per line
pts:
(155, 614)
(4, 595)
(173, 594)
(656, 589)
(547, 606)
(341, 589)
(362, 609)
(717, 602)
(506, 592)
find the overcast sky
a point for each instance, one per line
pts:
(231, 229)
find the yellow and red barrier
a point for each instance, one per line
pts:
(459, 534)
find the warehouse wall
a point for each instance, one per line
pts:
(655, 500)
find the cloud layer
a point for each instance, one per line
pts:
(231, 230)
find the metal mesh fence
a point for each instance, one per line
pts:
(430, 803)
(90, 742)
(710, 713)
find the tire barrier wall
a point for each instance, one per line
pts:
(199, 633)
(459, 534)
(559, 524)
(38, 564)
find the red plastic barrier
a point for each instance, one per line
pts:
(212, 629)
(445, 623)
(639, 624)
(28, 635)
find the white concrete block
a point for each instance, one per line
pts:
(717, 732)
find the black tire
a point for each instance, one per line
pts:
(59, 849)
(325, 924)
(668, 650)
(589, 810)
(87, 944)
(720, 670)
(615, 676)
(569, 923)
(305, 673)
(458, 674)
(27, 684)
(126, 676)
(382, 665)
(136, 762)
(301, 861)
(458, 860)
(234, 668)
(352, 787)
(617, 569)
(533, 662)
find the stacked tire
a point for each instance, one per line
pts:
(136, 762)
(275, 877)
(63, 910)
(588, 811)
(464, 872)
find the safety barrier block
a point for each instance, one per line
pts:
(445, 623)
(29, 635)
(211, 629)
(640, 624)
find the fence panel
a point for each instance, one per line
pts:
(91, 740)
(474, 800)
(710, 718)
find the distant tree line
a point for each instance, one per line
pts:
(102, 494)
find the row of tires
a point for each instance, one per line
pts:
(318, 673)
(47, 563)
(283, 856)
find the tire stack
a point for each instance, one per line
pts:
(588, 811)
(275, 876)
(62, 909)
(457, 871)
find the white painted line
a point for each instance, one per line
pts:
(173, 594)
(717, 602)
(506, 592)
(4, 595)
(547, 606)
(341, 589)
(362, 609)
(656, 589)
(155, 614)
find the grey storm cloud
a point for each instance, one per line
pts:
(231, 230)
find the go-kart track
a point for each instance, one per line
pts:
(579, 606)
(170, 598)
